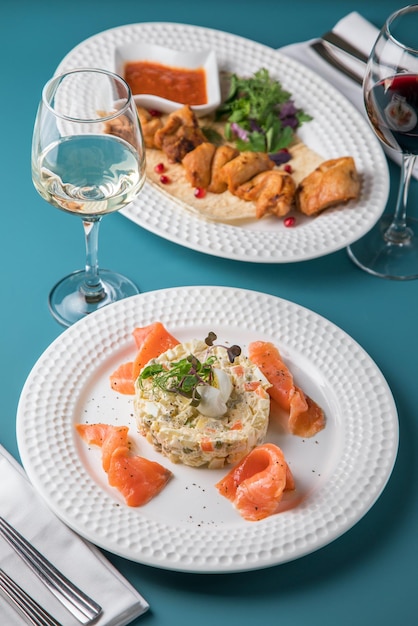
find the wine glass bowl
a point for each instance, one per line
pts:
(88, 159)
(390, 88)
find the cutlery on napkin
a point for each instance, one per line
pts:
(80, 561)
(358, 31)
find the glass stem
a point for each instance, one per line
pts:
(398, 231)
(93, 289)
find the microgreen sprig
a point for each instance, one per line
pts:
(232, 351)
(184, 376)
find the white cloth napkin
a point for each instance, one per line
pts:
(362, 35)
(80, 561)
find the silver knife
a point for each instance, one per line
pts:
(320, 49)
(76, 601)
(344, 45)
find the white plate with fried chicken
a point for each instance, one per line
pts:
(235, 223)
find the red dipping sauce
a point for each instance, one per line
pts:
(186, 86)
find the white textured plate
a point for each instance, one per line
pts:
(337, 130)
(189, 527)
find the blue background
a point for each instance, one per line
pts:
(368, 576)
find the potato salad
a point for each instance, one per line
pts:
(202, 405)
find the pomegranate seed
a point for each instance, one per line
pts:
(289, 221)
(159, 168)
(288, 169)
(199, 192)
(155, 113)
(164, 179)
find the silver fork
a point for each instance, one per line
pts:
(76, 601)
(26, 605)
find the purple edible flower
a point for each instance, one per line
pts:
(239, 131)
(287, 114)
(255, 126)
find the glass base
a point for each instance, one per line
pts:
(68, 302)
(377, 256)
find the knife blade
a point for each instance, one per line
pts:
(323, 52)
(342, 44)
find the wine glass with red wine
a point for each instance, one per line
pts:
(390, 87)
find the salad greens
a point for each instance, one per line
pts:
(182, 377)
(260, 115)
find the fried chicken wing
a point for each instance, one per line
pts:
(179, 135)
(333, 182)
(149, 125)
(273, 191)
(245, 166)
(223, 155)
(198, 165)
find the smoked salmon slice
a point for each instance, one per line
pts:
(107, 437)
(122, 379)
(306, 418)
(255, 486)
(150, 341)
(138, 479)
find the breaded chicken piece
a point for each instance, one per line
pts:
(179, 135)
(149, 125)
(198, 165)
(223, 155)
(245, 166)
(120, 127)
(272, 191)
(333, 182)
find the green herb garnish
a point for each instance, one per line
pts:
(260, 115)
(184, 376)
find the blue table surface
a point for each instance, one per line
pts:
(369, 575)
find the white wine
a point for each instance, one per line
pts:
(89, 174)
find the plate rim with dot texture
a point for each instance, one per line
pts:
(189, 526)
(337, 129)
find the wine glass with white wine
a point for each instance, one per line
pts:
(88, 159)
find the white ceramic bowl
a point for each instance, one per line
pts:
(191, 59)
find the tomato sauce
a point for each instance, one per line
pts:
(187, 86)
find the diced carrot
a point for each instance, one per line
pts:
(206, 445)
(122, 379)
(236, 425)
(151, 341)
(251, 385)
(238, 370)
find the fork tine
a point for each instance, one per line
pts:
(24, 603)
(81, 606)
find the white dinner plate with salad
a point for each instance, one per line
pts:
(339, 473)
(337, 129)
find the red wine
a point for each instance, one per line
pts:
(392, 106)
